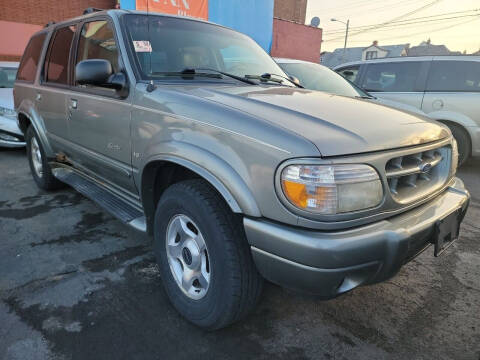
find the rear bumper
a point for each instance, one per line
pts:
(328, 264)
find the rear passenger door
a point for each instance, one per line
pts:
(454, 86)
(50, 97)
(401, 81)
(99, 118)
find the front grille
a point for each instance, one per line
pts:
(411, 177)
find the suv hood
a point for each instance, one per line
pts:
(337, 125)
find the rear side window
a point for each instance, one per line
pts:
(454, 76)
(97, 41)
(30, 58)
(56, 67)
(392, 77)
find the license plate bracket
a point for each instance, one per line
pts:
(446, 232)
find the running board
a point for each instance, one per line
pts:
(117, 207)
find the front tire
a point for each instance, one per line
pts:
(41, 171)
(463, 141)
(204, 258)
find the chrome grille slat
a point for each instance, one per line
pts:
(397, 170)
(415, 175)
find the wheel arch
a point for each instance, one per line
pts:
(28, 115)
(164, 170)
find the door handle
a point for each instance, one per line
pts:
(73, 104)
(38, 97)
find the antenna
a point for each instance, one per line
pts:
(151, 86)
(149, 38)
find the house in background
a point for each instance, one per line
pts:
(476, 53)
(426, 48)
(374, 51)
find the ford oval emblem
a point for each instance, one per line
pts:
(426, 168)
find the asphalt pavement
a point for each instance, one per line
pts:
(77, 284)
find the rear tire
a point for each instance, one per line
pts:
(231, 287)
(41, 171)
(463, 141)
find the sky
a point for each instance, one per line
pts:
(458, 34)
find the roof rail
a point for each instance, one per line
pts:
(49, 23)
(91, 10)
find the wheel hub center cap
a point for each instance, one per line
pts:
(187, 256)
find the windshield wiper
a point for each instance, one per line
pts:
(268, 77)
(239, 78)
(186, 73)
(191, 72)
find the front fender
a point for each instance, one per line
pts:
(27, 108)
(223, 177)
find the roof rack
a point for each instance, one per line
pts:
(49, 23)
(91, 10)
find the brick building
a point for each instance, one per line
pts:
(292, 10)
(291, 37)
(20, 19)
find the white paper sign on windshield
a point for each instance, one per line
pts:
(142, 46)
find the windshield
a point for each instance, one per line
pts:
(7, 77)
(318, 77)
(164, 45)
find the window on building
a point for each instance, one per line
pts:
(371, 55)
(31, 56)
(350, 73)
(97, 41)
(392, 77)
(454, 76)
(56, 67)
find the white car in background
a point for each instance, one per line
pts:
(10, 134)
(446, 88)
(318, 77)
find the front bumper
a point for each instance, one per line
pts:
(10, 135)
(328, 264)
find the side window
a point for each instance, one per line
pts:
(56, 66)
(97, 41)
(350, 73)
(391, 77)
(454, 76)
(30, 58)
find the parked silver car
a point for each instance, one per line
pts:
(10, 134)
(446, 88)
(319, 77)
(190, 132)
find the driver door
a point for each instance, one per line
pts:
(99, 119)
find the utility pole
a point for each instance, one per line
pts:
(347, 24)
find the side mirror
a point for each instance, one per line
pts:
(294, 79)
(93, 72)
(98, 72)
(348, 73)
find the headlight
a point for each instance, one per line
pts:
(331, 189)
(454, 156)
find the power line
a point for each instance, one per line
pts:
(368, 8)
(423, 32)
(415, 24)
(394, 19)
(410, 21)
